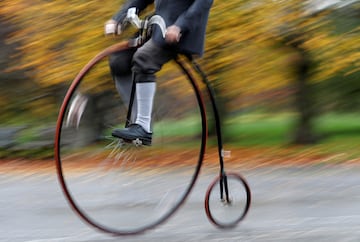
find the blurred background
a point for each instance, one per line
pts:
(286, 73)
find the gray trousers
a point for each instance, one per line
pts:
(138, 63)
(143, 62)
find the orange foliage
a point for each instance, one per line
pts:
(244, 49)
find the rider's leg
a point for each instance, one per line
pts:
(146, 62)
(120, 66)
(145, 92)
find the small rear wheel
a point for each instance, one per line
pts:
(227, 209)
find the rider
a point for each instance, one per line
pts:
(186, 21)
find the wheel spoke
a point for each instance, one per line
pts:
(227, 209)
(125, 187)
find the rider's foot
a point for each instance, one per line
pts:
(133, 133)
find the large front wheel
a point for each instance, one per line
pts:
(124, 188)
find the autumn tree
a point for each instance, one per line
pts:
(252, 47)
(13, 83)
(258, 46)
(58, 38)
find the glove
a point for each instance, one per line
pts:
(112, 27)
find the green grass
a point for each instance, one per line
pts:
(337, 126)
(257, 129)
(276, 129)
(182, 127)
(339, 133)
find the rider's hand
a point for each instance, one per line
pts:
(112, 27)
(173, 34)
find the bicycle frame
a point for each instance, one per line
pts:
(211, 94)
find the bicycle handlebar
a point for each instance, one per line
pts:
(134, 19)
(143, 25)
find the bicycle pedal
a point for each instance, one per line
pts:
(137, 142)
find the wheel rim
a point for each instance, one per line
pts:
(105, 180)
(225, 215)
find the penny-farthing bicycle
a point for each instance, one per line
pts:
(126, 188)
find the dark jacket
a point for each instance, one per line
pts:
(190, 15)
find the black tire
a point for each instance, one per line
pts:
(117, 187)
(221, 213)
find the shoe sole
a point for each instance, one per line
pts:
(132, 139)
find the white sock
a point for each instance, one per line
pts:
(145, 93)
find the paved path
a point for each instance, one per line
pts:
(314, 203)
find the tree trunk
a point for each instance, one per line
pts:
(303, 133)
(303, 100)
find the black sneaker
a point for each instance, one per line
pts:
(134, 133)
